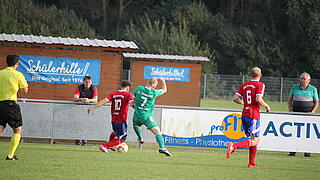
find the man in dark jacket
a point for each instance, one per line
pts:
(86, 93)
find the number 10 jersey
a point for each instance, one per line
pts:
(120, 104)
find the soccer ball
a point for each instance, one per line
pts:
(123, 147)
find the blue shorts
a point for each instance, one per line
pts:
(251, 126)
(121, 129)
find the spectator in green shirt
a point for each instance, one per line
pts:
(303, 98)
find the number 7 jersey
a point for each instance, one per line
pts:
(145, 99)
(249, 91)
(119, 105)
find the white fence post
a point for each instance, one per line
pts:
(204, 85)
(129, 75)
(281, 88)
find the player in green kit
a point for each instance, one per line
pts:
(145, 97)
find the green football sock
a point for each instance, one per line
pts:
(138, 131)
(160, 140)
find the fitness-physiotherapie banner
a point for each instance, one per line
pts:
(168, 73)
(59, 70)
(215, 129)
(201, 128)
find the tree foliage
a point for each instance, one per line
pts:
(162, 37)
(240, 48)
(282, 37)
(237, 47)
(304, 29)
(25, 17)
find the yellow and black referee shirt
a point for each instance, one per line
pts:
(11, 81)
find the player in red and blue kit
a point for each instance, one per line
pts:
(250, 95)
(120, 101)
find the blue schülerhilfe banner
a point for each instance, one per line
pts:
(59, 70)
(168, 73)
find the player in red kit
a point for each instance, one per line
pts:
(250, 95)
(120, 101)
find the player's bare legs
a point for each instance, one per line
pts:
(255, 140)
(113, 141)
(113, 135)
(251, 143)
(140, 142)
(230, 150)
(253, 151)
(156, 131)
(15, 140)
(14, 143)
(137, 130)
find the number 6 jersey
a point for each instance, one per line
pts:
(249, 91)
(120, 104)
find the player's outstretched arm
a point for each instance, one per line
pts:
(163, 85)
(260, 100)
(101, 103)
(237, 99)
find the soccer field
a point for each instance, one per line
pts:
(63, 161)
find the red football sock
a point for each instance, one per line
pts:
(112, 143)
(112, 136)
(252, 154)
(242, 144)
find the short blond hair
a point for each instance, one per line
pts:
(152, 82)
(255, 72)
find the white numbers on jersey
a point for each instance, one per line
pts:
(249, 98)
(117, 104)
(145, 99)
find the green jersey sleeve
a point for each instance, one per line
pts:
(315, 96)
(158, 92)
(292, 89)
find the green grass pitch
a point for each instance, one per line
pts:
(63, 161)
(66, 161)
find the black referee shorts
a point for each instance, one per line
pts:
(10, 113)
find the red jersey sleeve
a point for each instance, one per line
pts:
(110, 97)
(95, 92)
(77, 92)
(239, 91)
(260, 90)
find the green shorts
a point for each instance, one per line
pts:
(147, 120)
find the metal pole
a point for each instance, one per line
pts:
(204, 85)
(243, 79)
(129, 75)
(281, 88)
